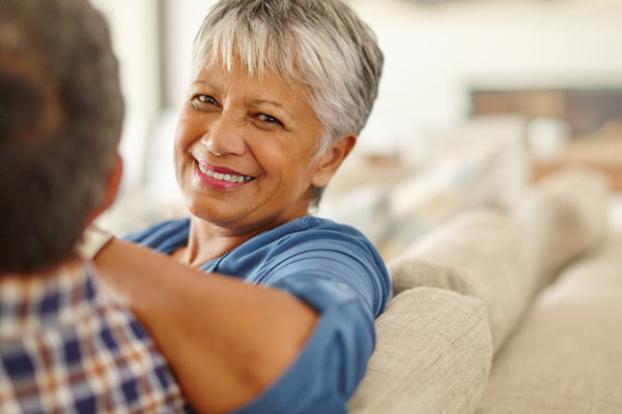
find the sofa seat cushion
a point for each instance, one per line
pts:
(433, 356)
(567, 355)
(483, 254)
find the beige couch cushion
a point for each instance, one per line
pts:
(564, 216)
(482, 254)
(567, 356)
(432, 356)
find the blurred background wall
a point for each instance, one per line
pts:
(527, 85)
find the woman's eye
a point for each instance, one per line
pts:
(269, 119)
(203, 100)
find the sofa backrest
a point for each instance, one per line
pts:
(567, 355)
(506, 257)
(483, 254)
(463, 288)
(564, 216)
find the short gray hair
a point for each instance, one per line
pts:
(61, 112)
(322, 44)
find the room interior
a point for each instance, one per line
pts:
(483, 104)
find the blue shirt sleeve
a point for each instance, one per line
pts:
(331, 267)
(347, 283)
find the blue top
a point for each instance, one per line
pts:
(331, 267)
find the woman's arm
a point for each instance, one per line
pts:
(226, 340)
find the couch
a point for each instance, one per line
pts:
(506, 311)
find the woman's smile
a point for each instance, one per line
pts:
(220, 178)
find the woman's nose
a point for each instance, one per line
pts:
(224, 136)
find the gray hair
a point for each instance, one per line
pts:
(321, 44)
(61, 112)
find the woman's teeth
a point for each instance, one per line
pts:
(230, 178)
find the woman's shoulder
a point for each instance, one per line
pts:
(318, 240)
(164, 237)
(307, 234)
(313, 227)
(315, 246)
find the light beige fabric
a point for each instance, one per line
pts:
(564, 216)
(567, 356)
(482, 254)
(432, 356)
(598, 273)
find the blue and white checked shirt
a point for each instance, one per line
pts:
(67, 348)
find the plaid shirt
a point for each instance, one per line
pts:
(67, 348)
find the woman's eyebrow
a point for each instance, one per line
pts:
(273, 103)
(202, 82)
(266, 101)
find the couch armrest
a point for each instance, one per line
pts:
(481, 253)
(433, 356)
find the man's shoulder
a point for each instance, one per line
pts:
(77, 326)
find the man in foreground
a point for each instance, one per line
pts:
(65, 346)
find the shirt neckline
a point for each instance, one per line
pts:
(180, 239)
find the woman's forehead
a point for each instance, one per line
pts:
(217, 74)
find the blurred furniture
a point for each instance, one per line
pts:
(601, 150)
(585, 110)
(510, 310)
(591, 115)
(395, 199)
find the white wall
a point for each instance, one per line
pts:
(134, 27)
(434, 54)
(182, 19)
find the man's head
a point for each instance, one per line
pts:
(61, 112)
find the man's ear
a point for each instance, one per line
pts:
(331, 159)
(112, 188)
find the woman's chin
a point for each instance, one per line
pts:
(212, 215)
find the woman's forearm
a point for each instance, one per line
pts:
(225, 340)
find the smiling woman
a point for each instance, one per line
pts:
(280, 91)
(245, 151)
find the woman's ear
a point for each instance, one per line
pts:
(112, 188)
(329, 161)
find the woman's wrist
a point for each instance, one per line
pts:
(94, 239)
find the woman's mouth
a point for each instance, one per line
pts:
(229, 177)
(220, 177)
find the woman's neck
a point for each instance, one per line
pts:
(207, 241)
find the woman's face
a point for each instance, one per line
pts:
(243, 150)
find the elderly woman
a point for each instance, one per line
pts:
(283, 322)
